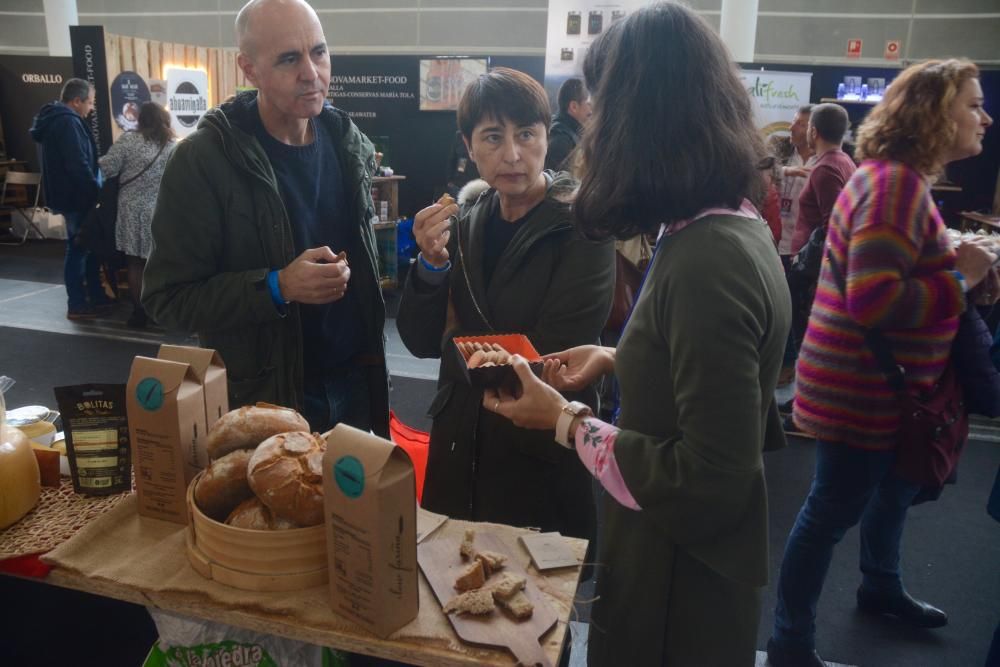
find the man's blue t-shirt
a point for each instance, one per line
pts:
(311, 184)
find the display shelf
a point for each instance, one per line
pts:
(386, 189)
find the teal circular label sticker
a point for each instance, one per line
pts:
(350, 476)
(149, 393)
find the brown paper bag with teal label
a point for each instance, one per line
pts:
(166, 419)
(370, 499)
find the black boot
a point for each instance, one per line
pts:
(138, 318)
(783, 656)
(914, 612)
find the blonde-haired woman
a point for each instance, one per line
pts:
(902, 278)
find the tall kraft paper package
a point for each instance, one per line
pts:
(369, 493)
(166, 421)
(211, 373)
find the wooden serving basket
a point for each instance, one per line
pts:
(255, 560)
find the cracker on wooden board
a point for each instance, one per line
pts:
(477, 602)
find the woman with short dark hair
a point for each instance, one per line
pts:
(672, 149)
(138, 159)
(506, 259)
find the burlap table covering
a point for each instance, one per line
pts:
(149, 556)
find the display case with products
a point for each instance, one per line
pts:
(385, 195)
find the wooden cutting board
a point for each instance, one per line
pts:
(440, 562)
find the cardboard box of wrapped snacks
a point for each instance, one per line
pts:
(487, 358)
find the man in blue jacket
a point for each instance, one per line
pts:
(71, 180)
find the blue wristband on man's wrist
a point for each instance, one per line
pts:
(431, 267)
(961, 280)
(275, 289)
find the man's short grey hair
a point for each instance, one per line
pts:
(75, 89)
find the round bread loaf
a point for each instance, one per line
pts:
(223, 485)
(286, 473)
(254, 515)
(247, 427)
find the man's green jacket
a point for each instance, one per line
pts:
(220, 226)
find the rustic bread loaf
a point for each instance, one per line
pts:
(223, 485)
(254, 515)
(286, 473)
(247, 427)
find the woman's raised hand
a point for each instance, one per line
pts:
(432, 229)
(975, 259)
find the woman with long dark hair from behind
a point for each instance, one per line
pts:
(138, 159)
(672, 148)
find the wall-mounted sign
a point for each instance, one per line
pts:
(443, 80)
(187, 98)
(90, 64)
(776, 97)
(128, 92)
(854, 48)
(573, 25)
(892, 49)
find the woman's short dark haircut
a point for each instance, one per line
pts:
(503, 94)
(672, 131)
(154, 123)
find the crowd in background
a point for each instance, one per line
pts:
(714, 267)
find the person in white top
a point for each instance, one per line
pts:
(796, 159)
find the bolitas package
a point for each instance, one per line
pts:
(369, 493)
(96, 425)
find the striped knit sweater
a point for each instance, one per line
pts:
(886, 230)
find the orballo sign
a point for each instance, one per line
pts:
(187, 98)
(42, 78)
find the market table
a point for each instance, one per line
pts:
(123, 556)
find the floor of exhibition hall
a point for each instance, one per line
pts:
(951, 547)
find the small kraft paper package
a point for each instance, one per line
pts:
(211, 374)
(166, 413)
(369, 493)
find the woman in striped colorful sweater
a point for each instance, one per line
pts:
(904, 279)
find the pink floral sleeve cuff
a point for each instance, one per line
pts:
(595, 445)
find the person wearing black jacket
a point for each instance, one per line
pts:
(71, 179)
(510, 262)
(564, 134)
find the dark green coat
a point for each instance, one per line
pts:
(219, 228)
(698, 364)
(556, 288)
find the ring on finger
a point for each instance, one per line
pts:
(496, 406)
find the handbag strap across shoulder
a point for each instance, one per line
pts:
(894, 374)
(122, 184)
